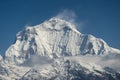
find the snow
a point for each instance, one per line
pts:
(1, 58)
(53, 38)
(52, 49)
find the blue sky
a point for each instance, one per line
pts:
(100, 18)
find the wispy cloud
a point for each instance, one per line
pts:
(37, 60)
(112, 60)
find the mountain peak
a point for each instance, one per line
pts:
(55, 49)
(58, 24)
(54, 38)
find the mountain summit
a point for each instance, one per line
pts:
(54, 38)
(56, 50)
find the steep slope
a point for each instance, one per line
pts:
(56, 50)
(1, 58)
(54, 38)
(12, 72)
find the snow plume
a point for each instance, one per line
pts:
(70, 16)
(67, 15)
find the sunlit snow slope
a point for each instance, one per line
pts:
(54, 38)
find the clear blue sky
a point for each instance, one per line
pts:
(100, 18)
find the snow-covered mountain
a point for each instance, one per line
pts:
(56, 50)
(54, 38)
